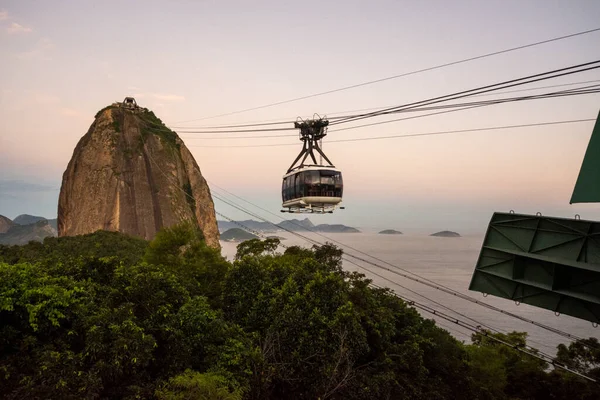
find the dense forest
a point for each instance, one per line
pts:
(108, 316)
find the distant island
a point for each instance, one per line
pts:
(294, 225)
(335, 228)
(445, 234)
(390, 232)
(237, 235)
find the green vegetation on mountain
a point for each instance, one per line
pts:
(107, 315)
(152, 125)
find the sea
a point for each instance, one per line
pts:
(449, 261)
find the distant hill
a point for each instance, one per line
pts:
(297, 225)
(23, 234)
(5, 224)
(294, 225)
(26, 219)
(445, 234)
(237, 235)
(336, 228)
(390, 232)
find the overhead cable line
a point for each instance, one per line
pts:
(420, 105)
(281, 121)
(239, 130)
(331, 115)
(467, 106)
(239, 137)
(489, 128)
(424, 105)
(574, 69)
(465, 60)
(463, 106)
(476, 329)
(537, 88)
(481, 324)
(466, 130)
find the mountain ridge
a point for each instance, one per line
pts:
(27, 219)
(23, 234)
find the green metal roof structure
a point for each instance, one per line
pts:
(587, 187)
(547, 262)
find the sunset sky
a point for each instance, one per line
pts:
(190, 61)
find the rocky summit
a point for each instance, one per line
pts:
(130, 173)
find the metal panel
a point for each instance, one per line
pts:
(587, 187)
(552, 263)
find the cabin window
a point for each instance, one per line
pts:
(330, 183)
(303, 180)
(287, 189)
(284, 189)
(320, 183)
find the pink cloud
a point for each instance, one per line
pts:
(15, 28)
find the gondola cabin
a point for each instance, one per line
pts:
(314, 189)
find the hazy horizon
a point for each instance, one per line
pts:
(192, 61)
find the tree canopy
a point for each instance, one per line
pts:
(110, 316)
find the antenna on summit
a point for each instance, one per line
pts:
(130, 103)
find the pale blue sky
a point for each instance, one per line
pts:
(64, 60)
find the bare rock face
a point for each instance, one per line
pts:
(5, 224)
(130, 173)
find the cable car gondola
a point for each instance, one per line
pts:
(314, 188)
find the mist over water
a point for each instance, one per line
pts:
(450, 262)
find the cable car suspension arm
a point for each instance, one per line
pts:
(310, 133)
